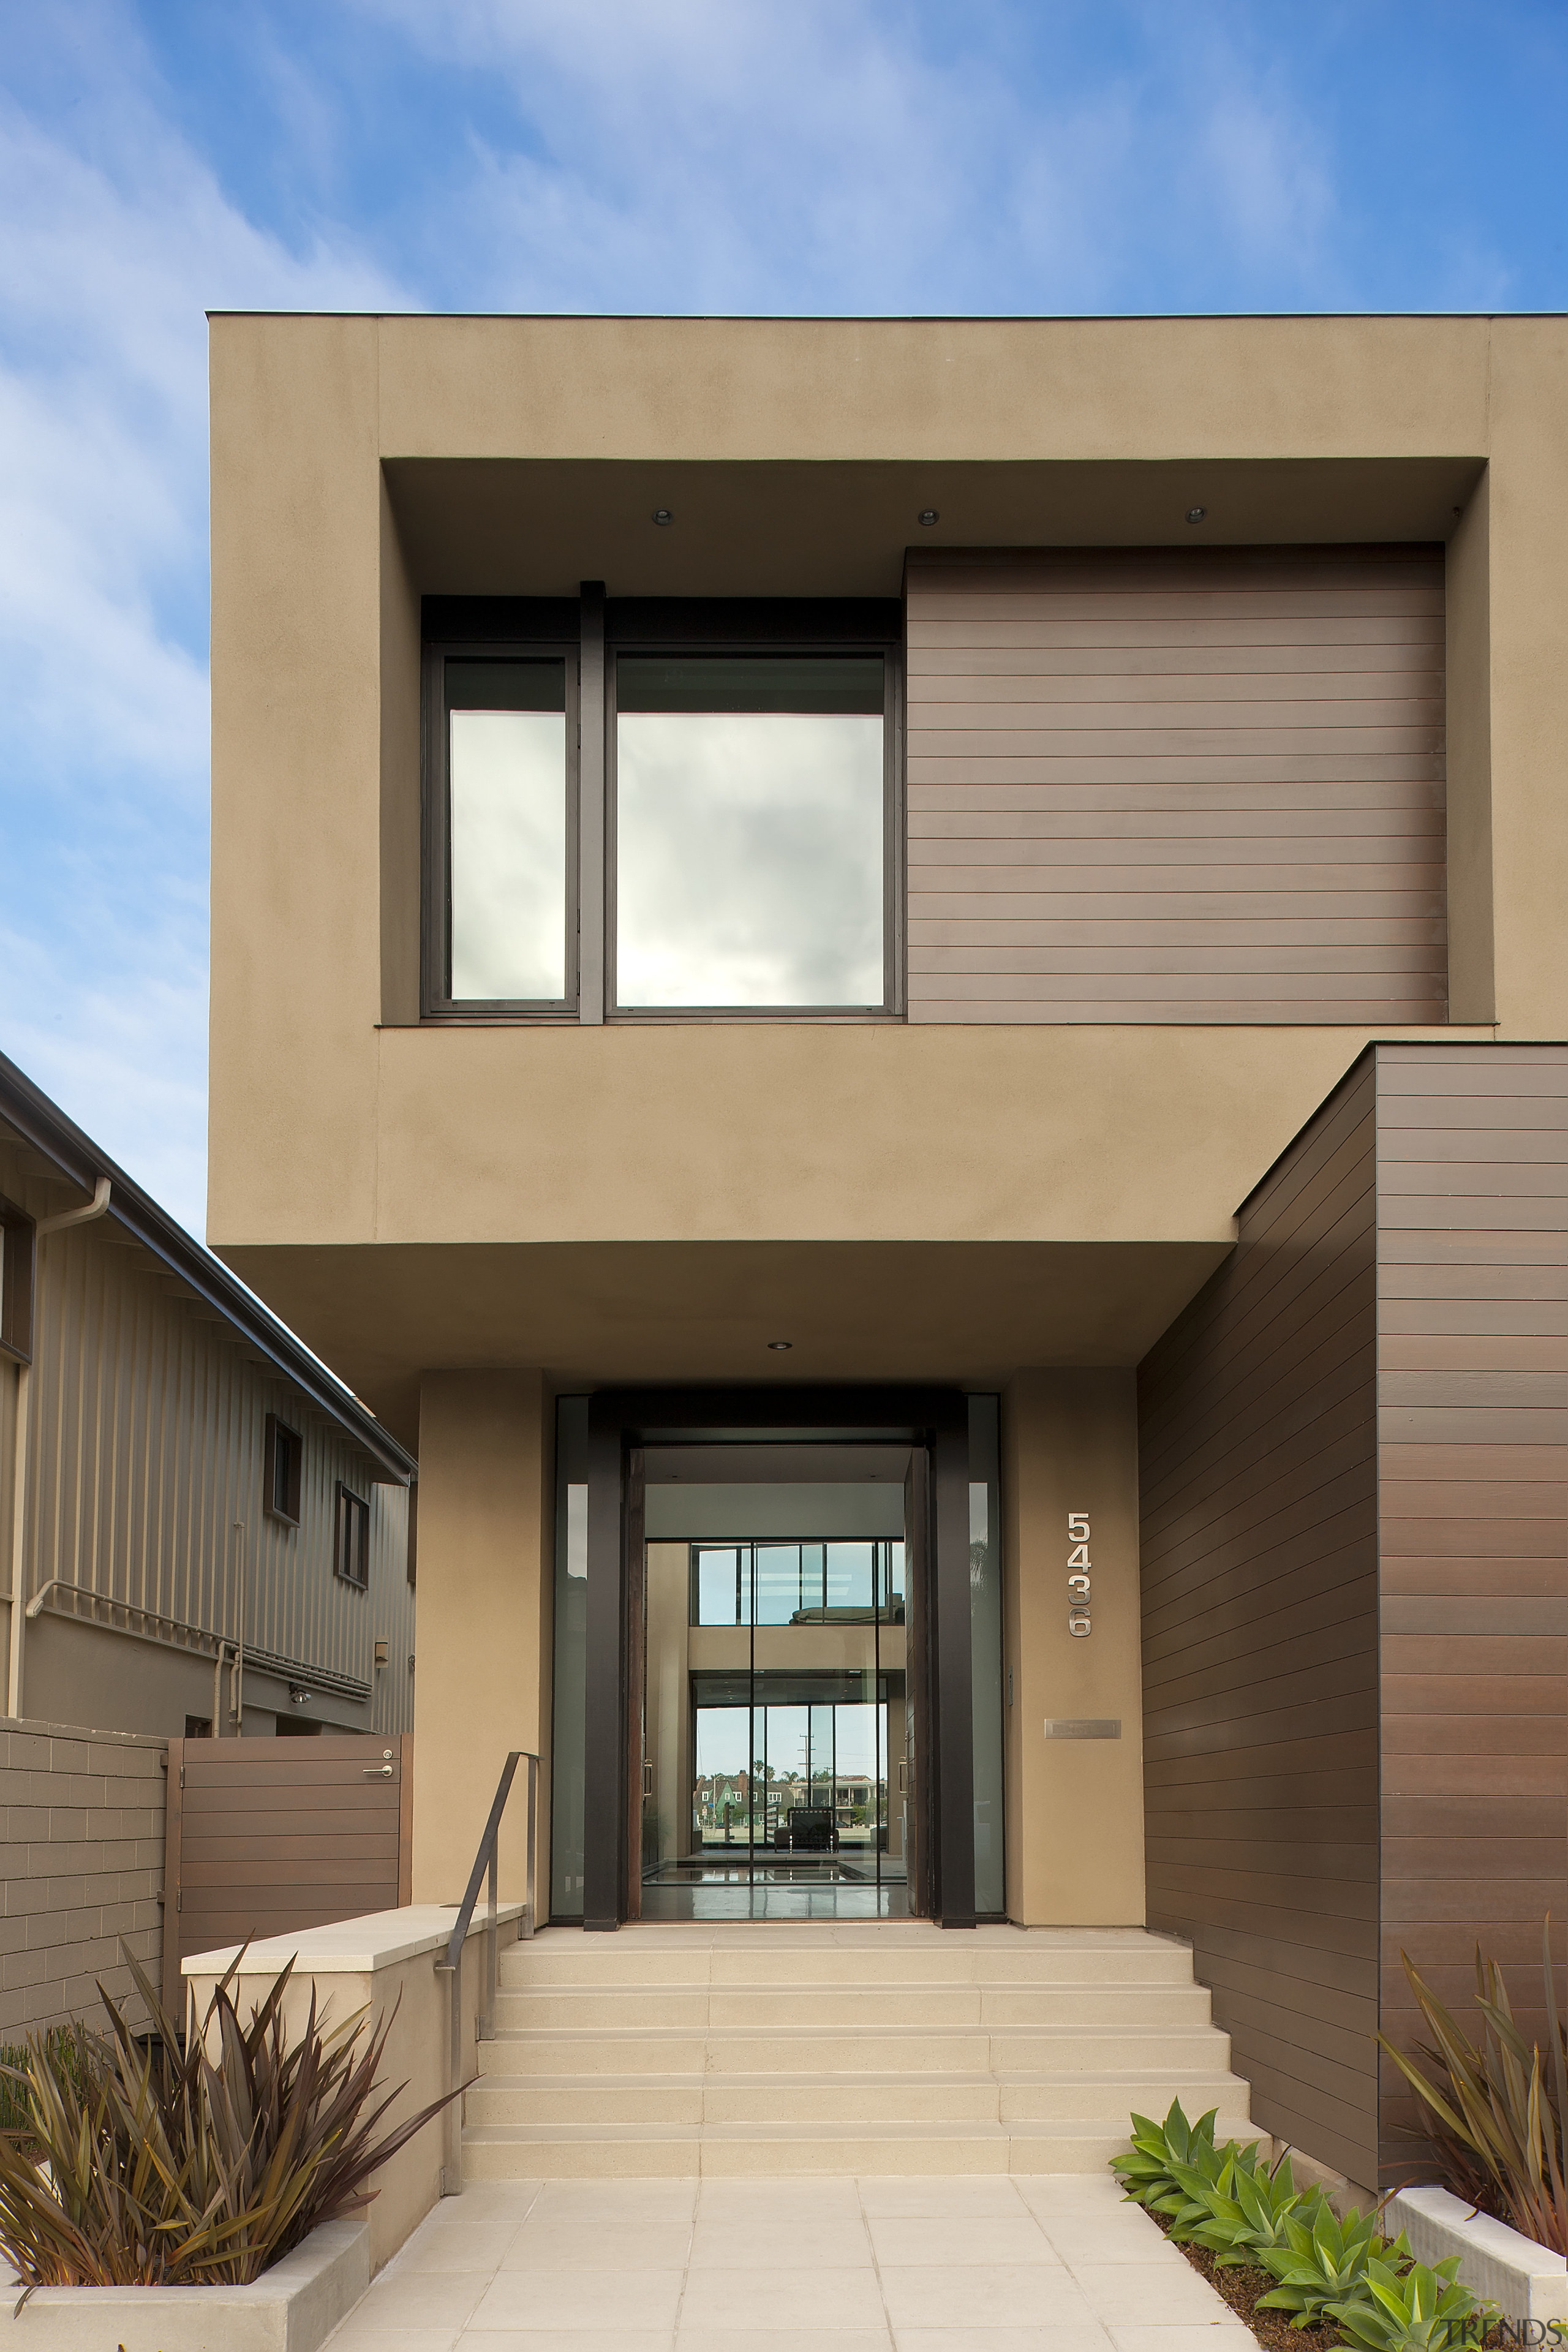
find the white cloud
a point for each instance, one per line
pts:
(117, 240)
(738, 155)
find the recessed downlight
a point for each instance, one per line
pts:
(927, 517)
(663, 515)
(1196, 514)
(780, 1346)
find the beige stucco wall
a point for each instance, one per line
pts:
(485, 1618)
(325, 1131)
(1074, 1807)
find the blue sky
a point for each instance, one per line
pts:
(830, 155)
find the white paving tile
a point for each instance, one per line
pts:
(1227, 2335)
(1009, 2295)
(1083, 2337)
(837, 2242)
(801, 2297)
(943, 2197)
(980, 2238)
(1152, 2294)
(995, 2264)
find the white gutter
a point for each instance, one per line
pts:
(17, 1582)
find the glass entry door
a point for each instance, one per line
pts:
(776, 1722)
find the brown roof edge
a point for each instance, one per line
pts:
(79, 1160)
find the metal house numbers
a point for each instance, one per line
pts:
(1078, 1619)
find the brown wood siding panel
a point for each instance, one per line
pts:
(1258, 1466)
(1191, 785)
(265, 1837)
(1473, 1499)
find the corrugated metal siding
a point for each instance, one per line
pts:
(1176, 785)
(145, 1478)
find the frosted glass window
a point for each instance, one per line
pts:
(750, 799)
(506, 840)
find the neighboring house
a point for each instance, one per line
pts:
(204, 1531)
(777, 887)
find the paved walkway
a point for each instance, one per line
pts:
(1004, 2264)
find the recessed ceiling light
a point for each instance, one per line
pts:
(781, 1344)
(1196, 514)
(663, 515)
(926, 517)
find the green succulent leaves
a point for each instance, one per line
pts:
(1418, 2310)
(1323, 2259)
(1328, 2266)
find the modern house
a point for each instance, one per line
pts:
(899, 989)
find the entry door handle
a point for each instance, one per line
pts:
(375, 1772)
(903, 1775)
(647, 1777)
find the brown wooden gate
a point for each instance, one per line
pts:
(265, 1836)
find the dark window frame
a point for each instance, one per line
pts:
(350, 1531)
(893, 1007)
(552, 629)
(287, 1514)
(19, 1281)
(436, 1001)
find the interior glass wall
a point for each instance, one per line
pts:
(775, 1747)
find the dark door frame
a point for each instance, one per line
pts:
(620, 1420)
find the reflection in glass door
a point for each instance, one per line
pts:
(776, 1730)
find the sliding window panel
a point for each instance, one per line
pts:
(751, 814)
(507, 836)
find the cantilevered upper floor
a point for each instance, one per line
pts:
(879, 829)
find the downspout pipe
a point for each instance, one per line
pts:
(85, 1215)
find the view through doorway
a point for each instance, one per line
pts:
(778, 1731)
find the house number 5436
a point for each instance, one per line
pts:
(1078, 1619)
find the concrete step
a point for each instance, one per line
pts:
(832, 2098)
(859, 2050)
(810, 2048)
(563, 1958)
(562, 2152)
(760, 2008)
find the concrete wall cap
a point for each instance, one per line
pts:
(1530, 2282)
(349, 1946)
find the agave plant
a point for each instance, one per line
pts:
(161, 2167)
(1499, 2122)
(1420, 2310)
(1243, 2212)
(1146, 2171)
(1320, 2259)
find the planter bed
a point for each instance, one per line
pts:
(292, 2307)
(1526, 2281)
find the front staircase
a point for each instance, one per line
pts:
(781, 2048)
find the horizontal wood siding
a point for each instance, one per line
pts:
(1473, 1466)
(1176, 785)
(1257, 1468)
(266, 1836)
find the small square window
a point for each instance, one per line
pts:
(17, 1237)
(282, 1456)
(351, 1550)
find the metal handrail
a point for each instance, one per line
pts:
(450, 1964)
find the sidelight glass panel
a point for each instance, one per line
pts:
(567, 1749)
(749, 800)
(986, 1648)
(507, 866)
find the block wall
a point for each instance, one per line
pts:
(81, 1866)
